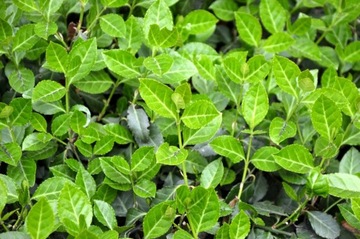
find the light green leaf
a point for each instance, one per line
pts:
(159, 219)
(203, 134)
(170, 155)
(295, 158)
(38, 122)
(22, 79)
(182, 69)
(181, 234)
(272, 15)
(240, 226)
(278, 42)
(112, 172)
(142, 158)
(56, 57)
(105, 213)
(24, 38)
(348, 214)
(285, 72)
(355, 206)
(158, 13)
(81, 60)
(21, 114)
(61, 124)
(78, 121)
(12, 190)
(113, 25)
(40, 221)
(248, 27)
(3, 195)
(212, 174)
(343, 185)
(204, 210)
(255, 105)
(122, 63)
(119, 133)
(25, 170)
(199, 21)
(48, 91)
(86, 182)
(26, 5)
(10, 153)
(205, 67)
(300, 26)
(323, 224)
(326, 117)
(73, 205)
(229, 147)
(264, 160)
(158, 98)
(48, 7)
(258, 69)
(162, 37)
(134, 36)
(113, 3)
(280, 130)
(96, 82)
(223, 232)
(36, 141)
(224, 9)
(226, 86)
(350, 162)
(104, 145)
(304, 47)
(145, 188)
(44, 29)
(199, 113)
(352, 52)
(6, 30)
(84, 148)
(159, 64)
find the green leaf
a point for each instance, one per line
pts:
(56, 57)
(3, 195)
(181, 234)
(112, 172)
(280, 130)
(240, 226)
(73, 205)
(6, 30)
(21, 114)
(326, 117)
(134, 36)
(44, 29)
(61, 124)
(145, 188)
(138, 123)
(104, 145)
(204, 210)
(78, 121)
(199, 21)
(223, 232)
(212, 174)
(36, 141)
(162, 37)
(300, 26)
(26, 5)
(295, 158)
(285, 72)
(142, 158)
(158, 98)
(258, 69)
(113, 3)
(122, 63)
(40, 221)
(304, 47)
(272, 15)
(229, 147)
(159, 14)
(48, 91)
(278, 42)
(182, 69)
(224, 9)
(24, 38)
(349, 162)
(343, 185)
(316, 183)
(25, 170)
(159, 64)
(170, 155)
(199, 113)
(255, 105)
(49, 7)
(159, 219)
(22, 80)
(248, 27)
(323, 224)
(81, 60)
(96, 82)
(348, 214)
(264, 160)
(113, 25)
(86, 182)
(105, 213)
(355, 206)
(119, 133)
(38, 122)
(12, 192)
(352, 52)
(226, 86)
(205, 67)
(10, 153)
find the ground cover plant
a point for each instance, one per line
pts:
(179, 119)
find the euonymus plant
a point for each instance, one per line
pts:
(179, 119)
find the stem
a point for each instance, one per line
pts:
(181, 146)
(67, 96)
(3, 225)
(276, 231)
(81, 18)
(107, 102)
(246, 166)
(299, 209)
(89, 28)
(333, 205)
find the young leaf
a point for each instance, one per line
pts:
(285, 72)
(21, 114)
(36, 141)
(113, 25)
(3, 195)
(10, 153)
(112, 172)
(223, 232)
(170, 155)
(105, 213)
(159, 64)
(281, 130)
(24, 38)
(22, 80)
(199, 113)
(199, 21)
(159, 219)
(113, 3)
(119, 133)
(224, 9)
(212, 174)
(73, 205)
(122, 63)
(181, 69)
(145, 188)
(61, 124)
(255, 105)
(227, 86)
(162, 37)
(355, 206)
(40, 221)
(134, 35)
(229, 147)
(295, 158)
(104, 145)
(158, 98)
(278, 42)
(95, 83)
(44, 29)
(50, 188)
(326, 117)
(25, 170)
(343, 185)
(272, 15)
(352, 52)
(240, 226)
(258, 69)
(323, 224)
(159, 14)
(349, 162)
(48, 91)
(141, 158)
(248, 27)
(86, 182)
(38, 122)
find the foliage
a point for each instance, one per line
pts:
(179, 119)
